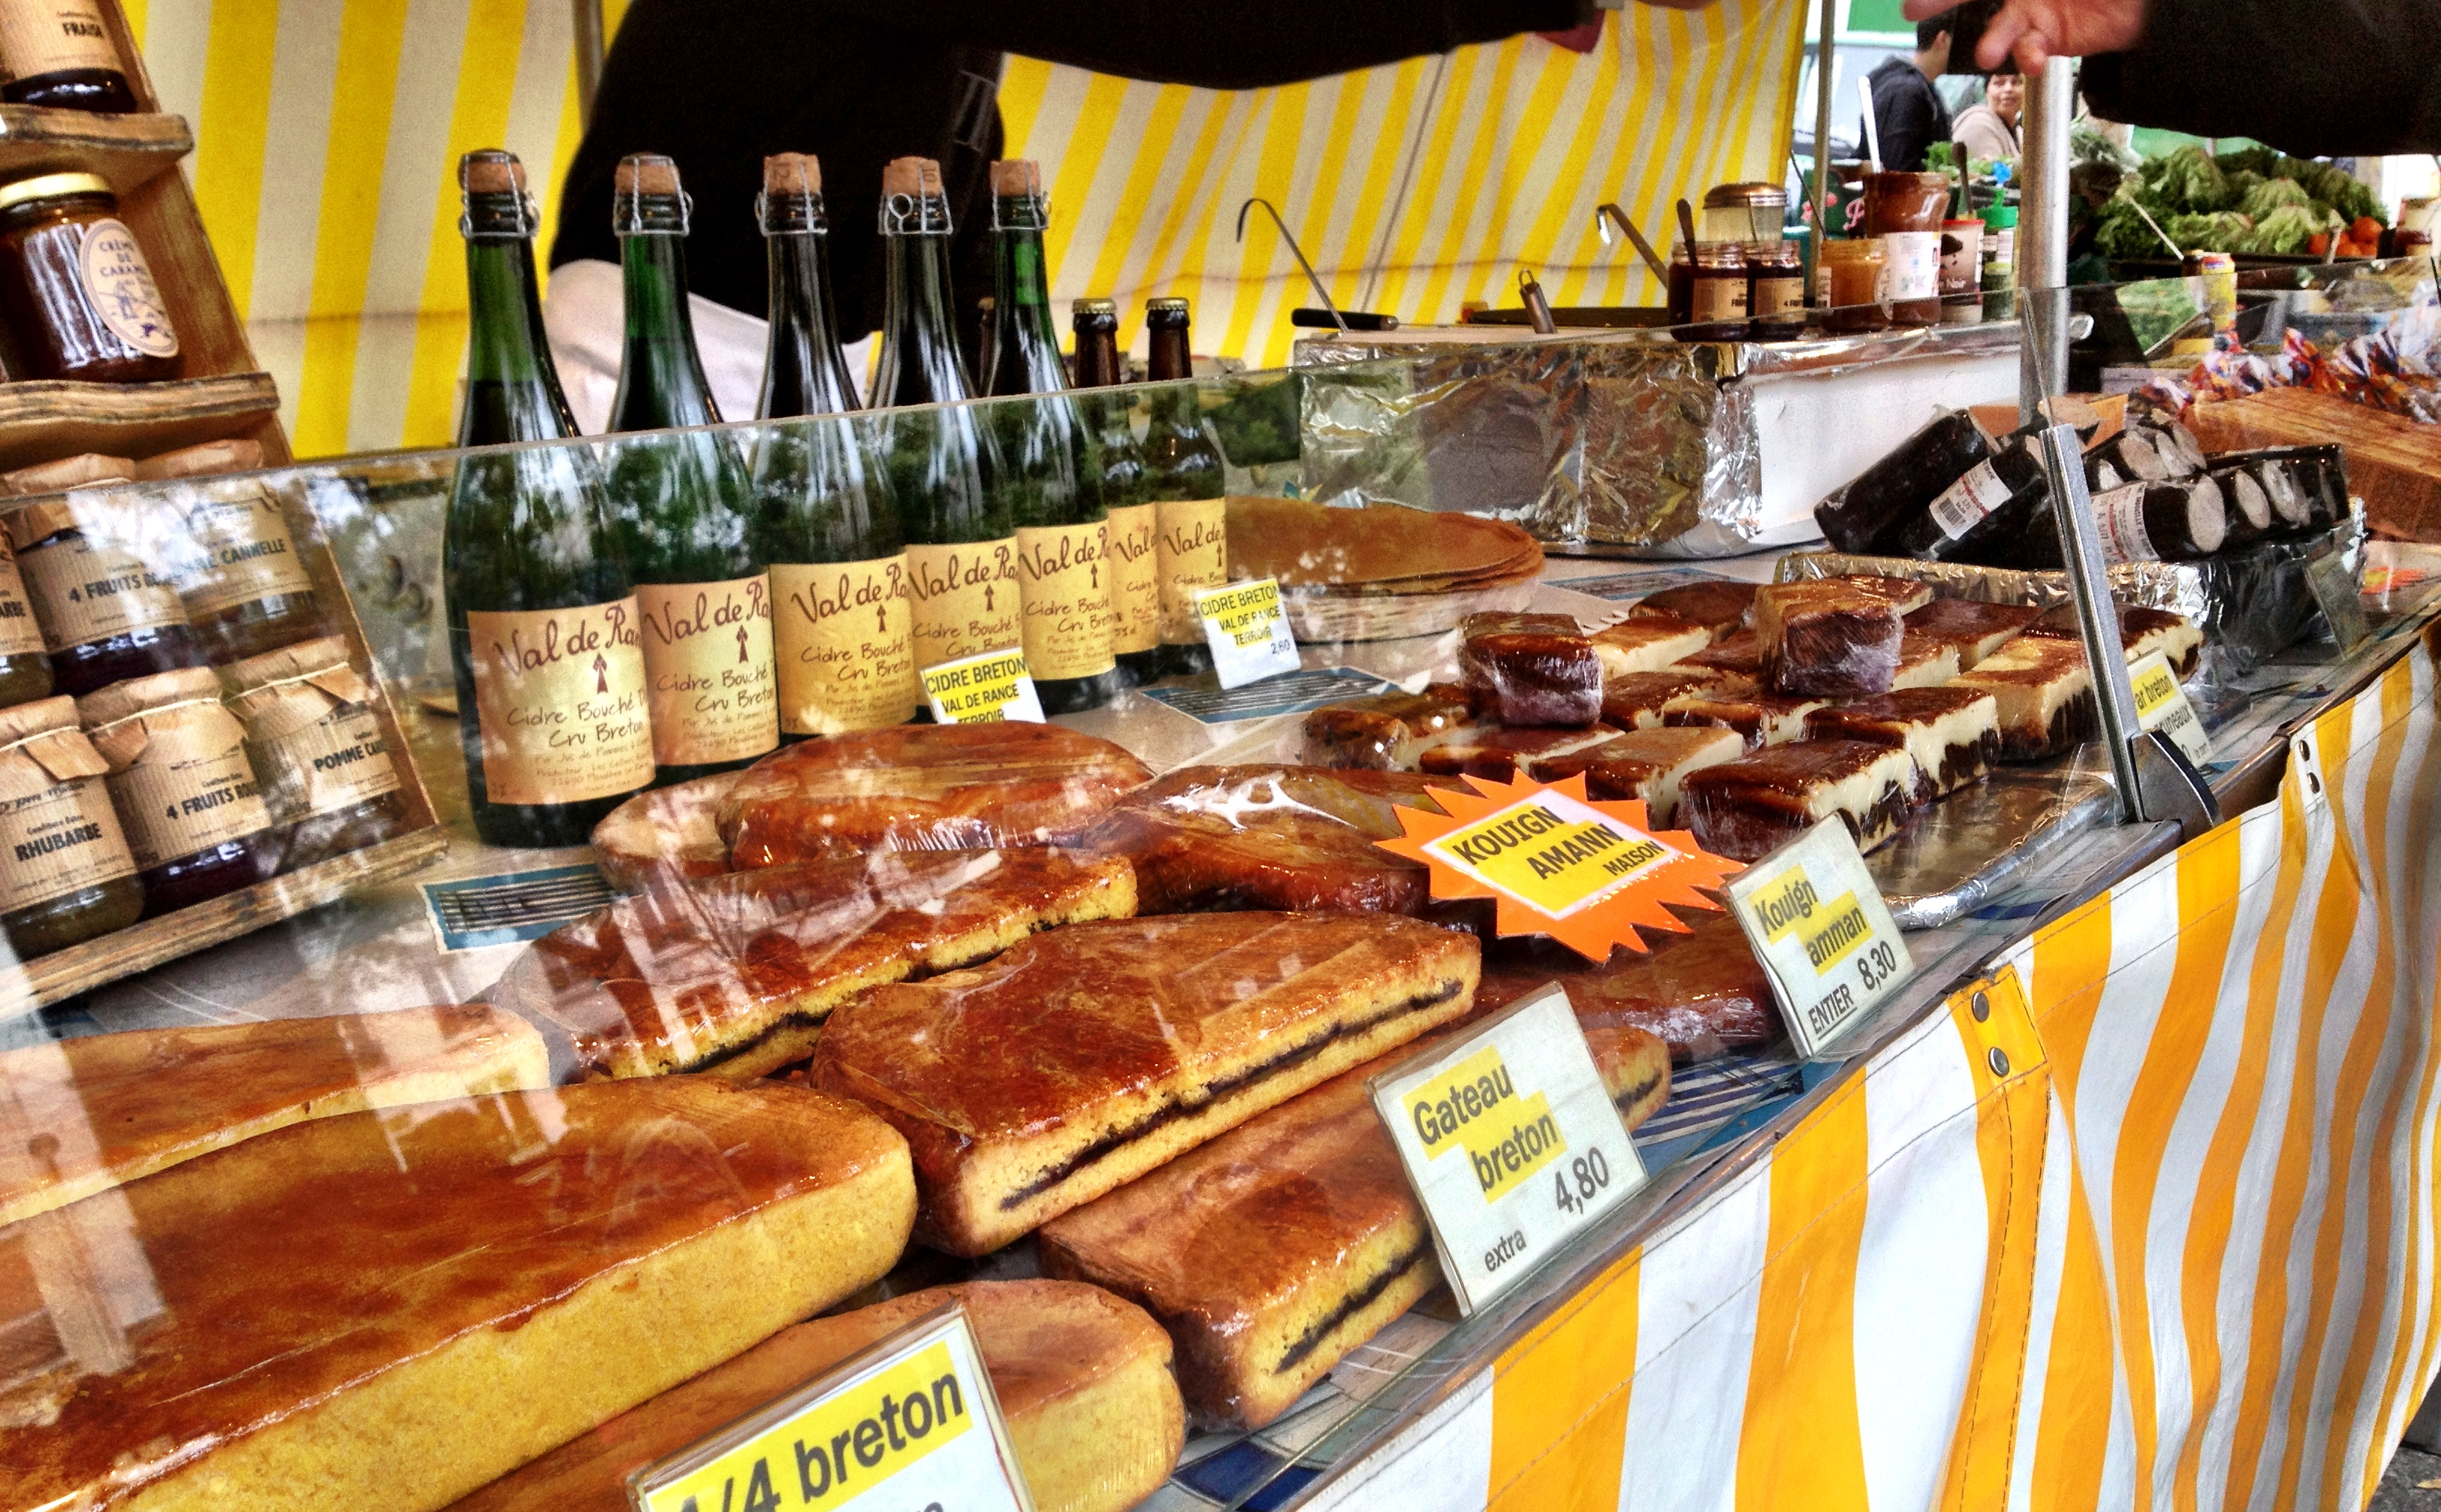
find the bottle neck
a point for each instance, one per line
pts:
(805, 372)
(919, 347)
(1025, 345)
(660, 377)
(512, 388)
(1170, 357)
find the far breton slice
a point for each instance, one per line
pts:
(1925, 662)
(737, 973)
(1282, 1245)
(1083, 1381)
(1976, 629)
(1084, 1058)
(1838, 638)
(1953, 732)
(393, 1309)
(1530, 669)
(1638, 700)
(118, 1106)
(1647, 765)
(2044, 690)
(1760, 719)
(1497, 754)
(1646, 643)
(2142, 632)
(1384, 731)
(1743, 809)
(1719, 606)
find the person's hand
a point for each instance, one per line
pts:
(2039, 30)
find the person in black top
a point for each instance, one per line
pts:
(1908, 112)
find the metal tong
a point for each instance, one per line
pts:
(1605, 213)
(1329, 314)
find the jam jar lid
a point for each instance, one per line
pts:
(1745, 195)
(304, 659)
(138, 695)
(26, 721)
(236, 455)
(66, 473)
(50, 186)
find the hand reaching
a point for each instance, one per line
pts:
(2039, 30)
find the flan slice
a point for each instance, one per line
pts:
(1384, 731)
(1976, 629)
(1925, 662)
(1760, 719)
(1720, 607)
(1646, 765)
(1953, 733)
(1743, 809)
(1498, 754)
(737, 973)
(2142, 632)
(1270, 1253)
(1083, 1381)
(1530, 669)
(1836, 638)
(2044, 693)
(108, 1109)
(392, 1308)
(1638, 700)
(1084, 1058)
(1702, 992)
(1646, 643)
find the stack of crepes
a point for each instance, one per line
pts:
(1384, 571)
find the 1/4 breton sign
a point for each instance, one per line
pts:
(910, 1423)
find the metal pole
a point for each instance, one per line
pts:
(589, 56)
(1826, 63)
(2042, 232)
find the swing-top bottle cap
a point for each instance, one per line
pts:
(645, 173)
(910, 176)
(490, 171)
(792, 173)
(496, 203)
(646, 198)
(1016, 177)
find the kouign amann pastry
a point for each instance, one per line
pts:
(1082, 1059)
(392, 1308)
(1530, 669)
(108, 1109)
(1953, 733)
(1384, 731)
(2044, 692)
(737, 973)
(1743, 809)
(1719, 606)
(1647, 766)
(1083, 1381)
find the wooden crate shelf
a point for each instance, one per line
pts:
(40, 421)
(129, 151)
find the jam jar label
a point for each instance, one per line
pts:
(235, 549)
(20, 635)
(707, 657)
(86, 590)
(59, 841)
(1135, 579)
(334, 762)
(190, 791)
(847, 658)
(561, 700)
(1064, 585)
(1191, 550)
(119, 283)
(968, 599)
(52, 36)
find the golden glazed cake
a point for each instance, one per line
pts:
(1085, 1057)
(1082, 1377)
(393, 1309)
(737, 973)
(1274, 1250)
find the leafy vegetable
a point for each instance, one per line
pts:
(2190, 181)
(2260, 161)
(2288, 229)
(2273, 194)
(2086, 144)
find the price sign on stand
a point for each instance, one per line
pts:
(1819, 927)
(2162, 705)
(983, 690)
(1512, 1142)
(1247, 627)
(908, 1424)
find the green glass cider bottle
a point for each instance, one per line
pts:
(1118, 463)
(1189, 480)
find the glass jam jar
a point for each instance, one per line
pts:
(65, 873)
(1717, 295)
(237, 569)
(315, 739)
(183, 785)
(79, 296)
(1906, 212)
(106, 613)
(1775, 291)
(1851, 286)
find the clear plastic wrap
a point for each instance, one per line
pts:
(334, 1305)
(1082, 1058)
(1083, 1381)
(737, 972)
(1530, 669)
(1702, 992)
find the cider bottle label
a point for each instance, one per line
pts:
(561, 698)
(968, 599)
(847, 658)
(707, 659)
(1135, 579)
(1191, 546)
(1064, 585)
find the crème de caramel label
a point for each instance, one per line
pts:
(846, 648)
(1135, 579)
(1191, 550)
(562, 702)
(708, 661)
(1064, 586)
(967, 598)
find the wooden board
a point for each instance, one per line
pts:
(96, 963)
(51, 418)
(129, 151)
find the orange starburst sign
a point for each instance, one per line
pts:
(1554, 862)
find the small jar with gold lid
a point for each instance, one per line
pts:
(94, 567)
(65, 872)
(317, 742)
(77, 291)
(184, 787)
(231, 553)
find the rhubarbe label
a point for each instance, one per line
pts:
(1064, 587)
(707, 659)
(59, 841)
(1191, 552)
(844, 641)
(561, 698)
(968, 599)
(1136, 578)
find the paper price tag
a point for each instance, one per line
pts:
(1247, 628)
(983, 688)
(1511, 1142)
(1821, 931)
(908, 1423)
(2162, 705)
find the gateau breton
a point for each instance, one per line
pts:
(1953, 733)
(1530, 669)
(1083, 1380)
(2142, 632)
(1498, 755)
(1719, 606)
(1760, 719)
(108, 1109)
(392, 1308)
(1384, 731)
(1746, 808)
(1638, 700)
(1976, 629)
(1836, 638)
(1646, 643)
(737, 973)
(1081, 1059)
(1289, 837)
(1646, 765)
(923, 787)
(1274, 1250)
(2044, 693)
(671, 832)
(1702, 992)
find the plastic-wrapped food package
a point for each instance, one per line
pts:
(910, 787)
(1836, 639)
(1871, 511)
(1083, 1381)
(1082, 1058)
(738, 972)
(1702, 992)
(1289, 838)
(1274, 1250)
(392, 1308)
(1530, 669)
(1384, 732)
